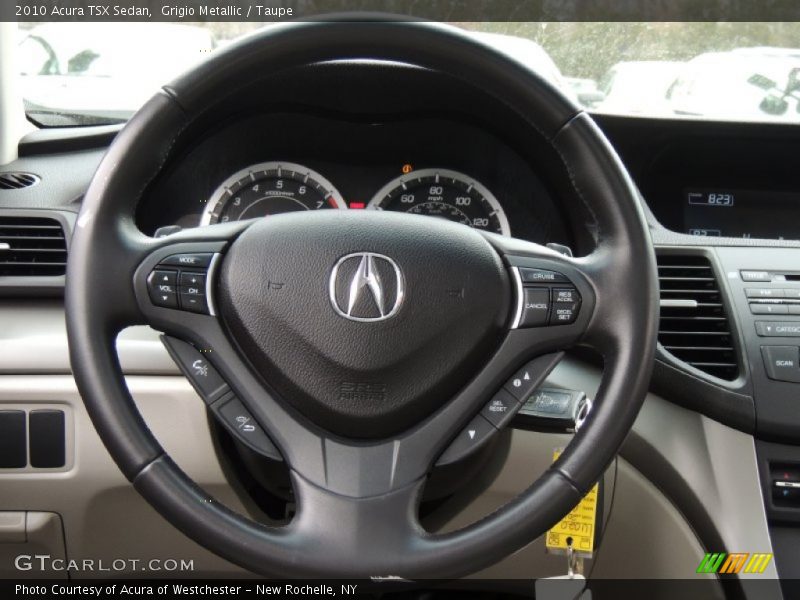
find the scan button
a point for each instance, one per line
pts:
(781, 362)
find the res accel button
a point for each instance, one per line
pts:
(535, 307)
(566, 302)
(565, 296)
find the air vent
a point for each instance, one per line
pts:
(694, 327)
(32, 246)
(16, 181)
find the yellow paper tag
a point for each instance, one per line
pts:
(579, 525)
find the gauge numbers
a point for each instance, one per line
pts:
(444, 194)
(268, 189)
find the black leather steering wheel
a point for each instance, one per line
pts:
(358, 467)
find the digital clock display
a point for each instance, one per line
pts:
(738, 213)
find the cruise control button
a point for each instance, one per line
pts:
(535, 307)
(194, 303)
(541, 276)
(205, 378)
(565, 296)
(473, 435)
(522, 384)
(196, 280)
(564, 314)
(243, 425)
(188, 260)
(781, 362)
(500, 409)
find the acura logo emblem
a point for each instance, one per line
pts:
(365, 286)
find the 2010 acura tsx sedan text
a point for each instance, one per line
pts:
(399, 308)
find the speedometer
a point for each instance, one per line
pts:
(445, 194)
(269, 189)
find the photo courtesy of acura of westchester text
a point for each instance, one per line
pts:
(183, 589)
(400, 300)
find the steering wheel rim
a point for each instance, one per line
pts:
(108, 252)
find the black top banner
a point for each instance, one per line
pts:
(439, 10)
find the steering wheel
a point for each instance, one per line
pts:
(365, 344)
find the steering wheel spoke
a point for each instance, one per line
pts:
(173, 282)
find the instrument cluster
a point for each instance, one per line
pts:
(268, 164)
(276, 187)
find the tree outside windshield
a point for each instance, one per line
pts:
(90, 73)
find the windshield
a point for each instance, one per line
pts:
(96, 73)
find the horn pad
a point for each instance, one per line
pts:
(366, 322)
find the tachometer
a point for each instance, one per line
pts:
(445, 194)
(268, 189)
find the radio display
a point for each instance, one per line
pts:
(742, 213)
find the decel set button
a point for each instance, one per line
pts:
(566, 302)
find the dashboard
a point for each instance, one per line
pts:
(742, 213)
(702, 181)
(705, 186)
(266, 164)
